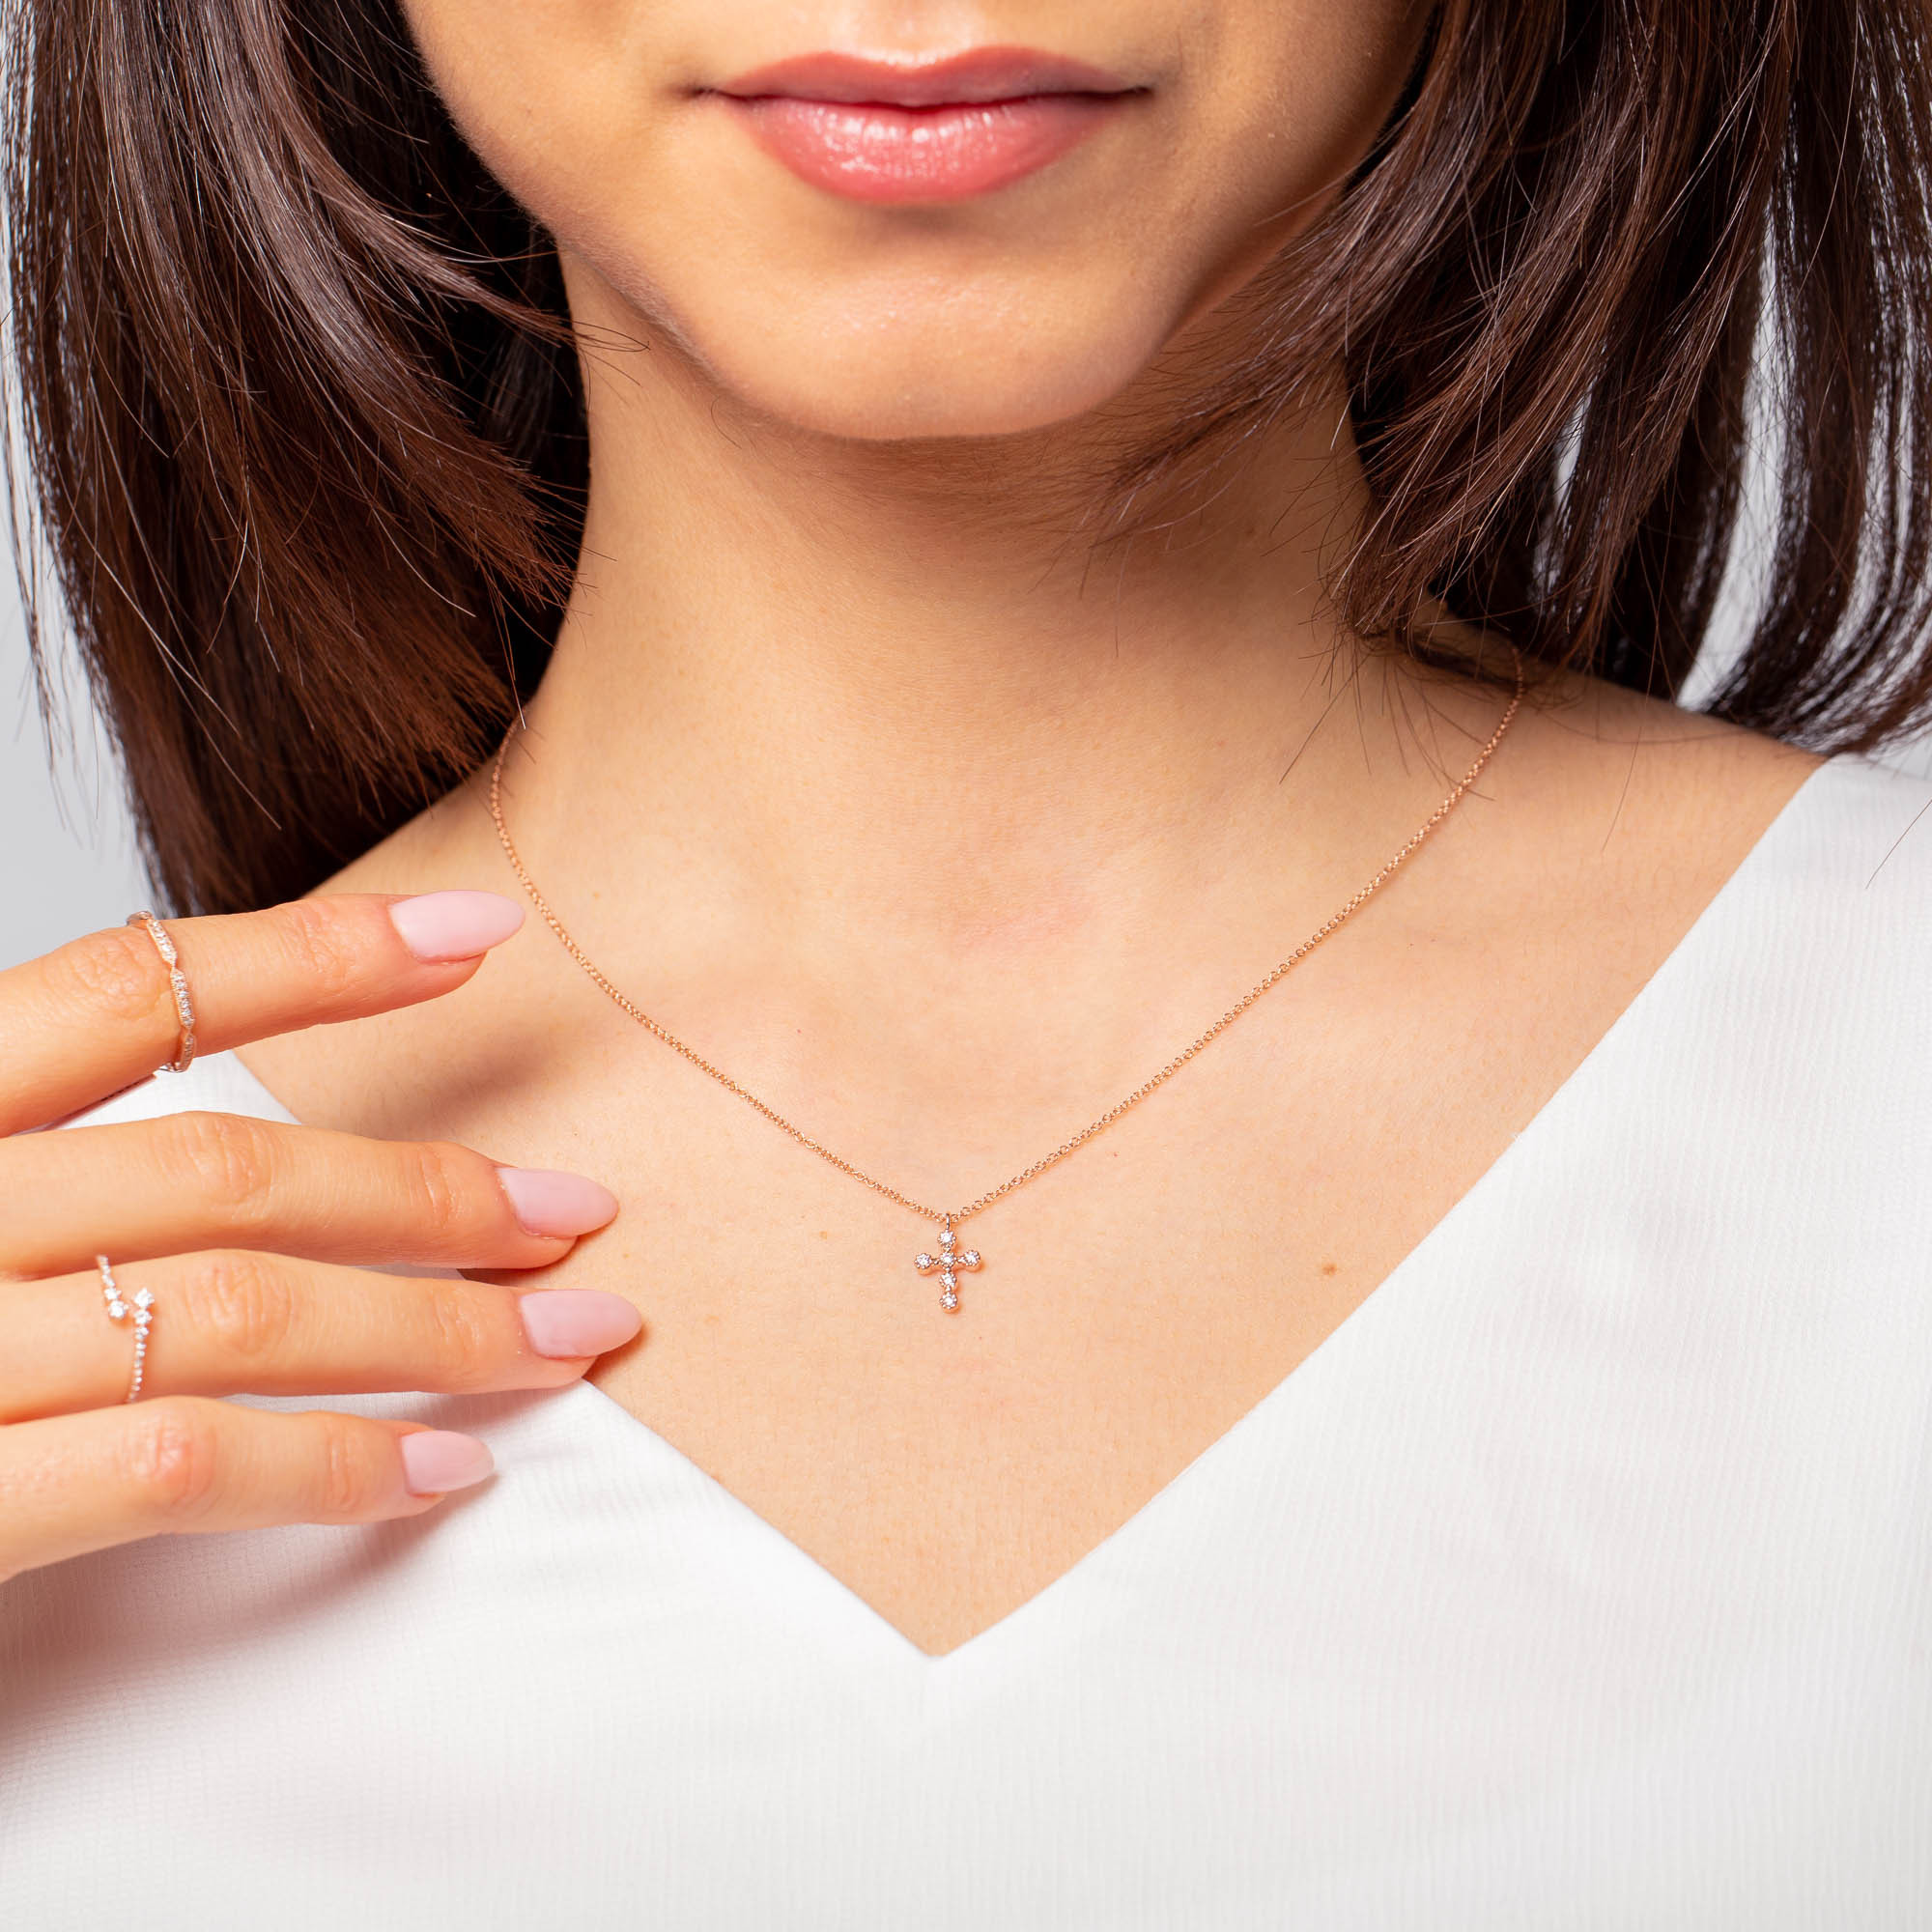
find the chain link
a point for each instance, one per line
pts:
(954, 1216)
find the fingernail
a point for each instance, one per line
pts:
(435, 1460)
(577, 1321)
(455, 926)
(547, 1203)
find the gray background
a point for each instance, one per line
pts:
(67, 858)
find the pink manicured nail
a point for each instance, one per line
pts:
(547, 1203)
(455, 926)
(435, 1460)
(577, 1321)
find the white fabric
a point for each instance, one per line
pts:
(1582, 1579)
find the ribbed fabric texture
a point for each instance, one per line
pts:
(1583, 1578)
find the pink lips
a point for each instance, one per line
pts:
(941, 130)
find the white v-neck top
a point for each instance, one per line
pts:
(1583, 1578)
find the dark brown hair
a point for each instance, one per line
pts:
(303, 436)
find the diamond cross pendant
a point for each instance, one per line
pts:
(948, 1260)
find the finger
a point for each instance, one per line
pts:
(98, 1014)
(196, 1180)
(74, 1483)
(234, 1320)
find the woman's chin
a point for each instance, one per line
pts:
(902, 357)
(926, 412)
(930, 390)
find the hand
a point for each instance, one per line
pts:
(244, 1229)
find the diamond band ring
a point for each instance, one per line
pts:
(177, 984)
(141, 1303)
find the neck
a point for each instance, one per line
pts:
(842, 671)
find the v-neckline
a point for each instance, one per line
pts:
(1375, 1310)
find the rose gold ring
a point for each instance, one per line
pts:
(142, 1305)
(178, 980)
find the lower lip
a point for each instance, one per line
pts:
(869, 152)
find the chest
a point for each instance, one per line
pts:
(1132, 1306)
(1136, 1300)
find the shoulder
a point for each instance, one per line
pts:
(1628, 789)
(1800, 1009)
(1860, 830)
(1801, 885)
(1838, 891)
(1835, 908)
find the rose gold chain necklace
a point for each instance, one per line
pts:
(951, 1257)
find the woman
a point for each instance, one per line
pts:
(987, 529)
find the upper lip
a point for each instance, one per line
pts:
(984, 73)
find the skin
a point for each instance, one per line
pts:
(875, 767)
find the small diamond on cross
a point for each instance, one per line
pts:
(948, 1260)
